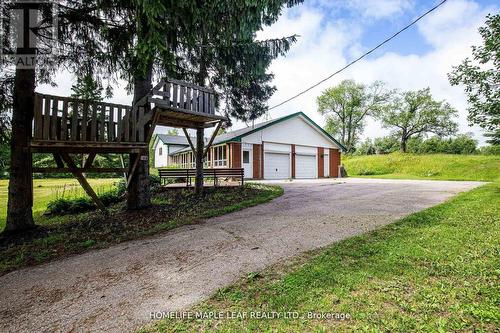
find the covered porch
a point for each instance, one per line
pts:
(217, 157)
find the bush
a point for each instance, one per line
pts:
(365, 148)
(461, 144)
(154, 182)
(63, 206)
(386, 145)
(490, 150)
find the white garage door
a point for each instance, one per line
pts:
(276, 166)
(305, 166)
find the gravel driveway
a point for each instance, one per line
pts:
(116, 289)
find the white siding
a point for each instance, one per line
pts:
(164, 159)
(295, 130)
(277, 147)
(306, 150)
(161, 160)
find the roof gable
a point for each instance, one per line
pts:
(237, 135)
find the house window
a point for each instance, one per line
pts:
(220, 156)
(246, 156)
(160, 151)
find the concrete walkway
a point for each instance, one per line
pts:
(116, 289)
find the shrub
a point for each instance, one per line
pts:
(365, 148)
(154, 182)
(386, 145)
(461, 144)
(490, 150)
(63, 206)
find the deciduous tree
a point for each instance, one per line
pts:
(414, 113)
(346, 107)
(481, 78)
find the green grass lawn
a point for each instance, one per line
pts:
(434, 166)
(46, 190)
(433, 271)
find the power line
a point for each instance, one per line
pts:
(361, 57)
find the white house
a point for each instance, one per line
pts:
(292, 146)
(164, 145)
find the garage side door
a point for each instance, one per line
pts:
(306, 166)
(326, 167)
(276, 166)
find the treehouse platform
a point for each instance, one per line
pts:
(65, 125)
(184, 105)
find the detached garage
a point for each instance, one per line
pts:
(293, 146)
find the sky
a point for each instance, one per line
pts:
(333, 33)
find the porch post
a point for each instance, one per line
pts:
(199, 160)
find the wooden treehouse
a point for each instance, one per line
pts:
(65, 126)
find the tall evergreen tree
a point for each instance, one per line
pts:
(67, 43)
(210, 43)
(19, 212)
(138, 40)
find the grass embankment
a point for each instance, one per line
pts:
(433, 271)
(433, 166)
(59, 236)
(46, 190)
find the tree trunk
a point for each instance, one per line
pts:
(402, 147)
(199, 160)
(200, 78)
(139, 195)
(20, 202)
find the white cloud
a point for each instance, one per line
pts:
(454, 22)
(377, 9)
(451, 30)
(327, 44)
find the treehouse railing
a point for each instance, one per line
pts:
(183, 96)
(74, 120)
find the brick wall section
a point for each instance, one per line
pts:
(321, 162)
(235, 152)
(257, 155)
(334, 163)
(293, 161)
